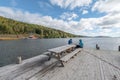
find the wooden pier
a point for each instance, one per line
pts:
(88, 64)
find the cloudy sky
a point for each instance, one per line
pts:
(81, 17)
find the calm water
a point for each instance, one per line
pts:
(9, 50)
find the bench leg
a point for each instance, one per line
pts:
(72, 57)
(62, 65)
(49, 58)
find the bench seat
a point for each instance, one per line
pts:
(70, 55)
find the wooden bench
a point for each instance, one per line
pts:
(69, 56)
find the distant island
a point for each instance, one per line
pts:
(102, 37)
(11, 29)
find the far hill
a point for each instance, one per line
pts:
(12, 27)
(102, 37)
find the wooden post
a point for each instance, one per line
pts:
(58, 56)
(114, 77)
(19, 60)
(97, 47)
(118, 48)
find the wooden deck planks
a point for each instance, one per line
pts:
(87, 65)
(34, 71)
(25, 70)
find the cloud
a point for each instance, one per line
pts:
(108, 6)
(112, 18)
(105, 21)
(17, 14)
(36, 19)
(68, 16)
(44, 4)
(84, 12)
(112, 8)
(85, 26)
(71, 4)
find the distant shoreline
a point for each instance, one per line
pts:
(25, 36)
(8, 38)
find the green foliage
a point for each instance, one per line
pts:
(9, 26)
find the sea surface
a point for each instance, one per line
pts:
(10, 50)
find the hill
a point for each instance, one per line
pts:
(102, 37)
(12, 27)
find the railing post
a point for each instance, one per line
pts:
(118, 48)
(19, 60)
(97, 47)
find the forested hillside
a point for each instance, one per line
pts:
(12, 27)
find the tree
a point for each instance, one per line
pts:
(9, 26)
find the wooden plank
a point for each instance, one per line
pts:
(25, 66)
(83, 67)
(87, 67)
(8, 67)
(61, 48)
(68, 56)
(34, 70)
